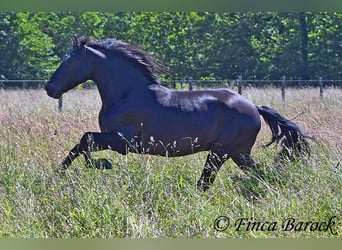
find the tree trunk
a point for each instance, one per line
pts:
(304, 68)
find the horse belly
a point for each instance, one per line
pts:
(180, 135)
(163, 133)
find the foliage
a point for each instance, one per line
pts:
(35, 47)
(8, 46)
(192, 44)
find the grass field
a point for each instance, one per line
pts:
(154, 196)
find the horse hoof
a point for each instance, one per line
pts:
(103, 164)
(202, 186)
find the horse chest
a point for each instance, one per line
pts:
(122, 119)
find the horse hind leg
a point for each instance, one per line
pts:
(210, 170)
(244, 161)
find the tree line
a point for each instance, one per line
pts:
(198, 45)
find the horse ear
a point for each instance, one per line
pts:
(75, 41)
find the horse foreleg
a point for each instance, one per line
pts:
(73, 154)
(211, 167)
(92, 142)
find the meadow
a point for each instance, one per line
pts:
(152, 197)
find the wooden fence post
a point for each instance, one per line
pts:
(60, 104)
(283, 82)
(321, 87)
(190, 84)
(239, 85)
(300, 82)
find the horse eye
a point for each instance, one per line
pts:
(67, 58)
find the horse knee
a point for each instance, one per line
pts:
(86, 141)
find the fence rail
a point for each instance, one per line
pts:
(257, 83)
(191, 84)
(24, 84)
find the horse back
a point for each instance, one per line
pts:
(200, 100)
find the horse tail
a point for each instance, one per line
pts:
(285, 131)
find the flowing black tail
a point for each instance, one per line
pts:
(285, 131)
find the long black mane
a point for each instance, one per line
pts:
(149, 65)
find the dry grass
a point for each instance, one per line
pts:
(153, 196)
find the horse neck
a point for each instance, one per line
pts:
(116, 78)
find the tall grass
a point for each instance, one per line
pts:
(147, 196)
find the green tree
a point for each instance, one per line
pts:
(299, 45)
(226, 44)
(35, 51)
(276, 44)
(304, 45)
(168, 36)
(8, 46)
(325, 45)
(199, 45)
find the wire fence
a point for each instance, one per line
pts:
(191, 84)
(22, 84)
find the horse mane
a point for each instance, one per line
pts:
(149, 65)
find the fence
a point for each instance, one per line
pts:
(239, 82)
(191, 84)
(22, 84)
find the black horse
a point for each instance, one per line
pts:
(140, 115)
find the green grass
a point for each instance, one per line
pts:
(145, 196)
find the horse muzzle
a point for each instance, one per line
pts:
(51, 91)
